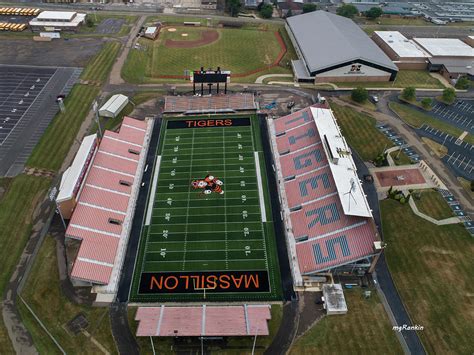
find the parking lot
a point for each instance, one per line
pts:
(399, 141)
(460, 154)
(27, 106)
(15, 18)
(460, 114)
(110, 26)
(458, 211)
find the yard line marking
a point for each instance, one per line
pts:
(175, 208)
(209, 240)
(153, 190)
(200, 261)
(226, 250)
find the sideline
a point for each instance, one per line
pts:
(260, 188)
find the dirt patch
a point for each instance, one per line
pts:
(207, 37)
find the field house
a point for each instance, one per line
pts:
(204, 215)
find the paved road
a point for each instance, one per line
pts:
(124, 339)
(287, 331)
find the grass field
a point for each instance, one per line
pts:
(417, 78)
(433, 204)
(361, 134)
(189, 232)
(417, 119)
(231, 51)
(16, 213)
(433, 269)
(365, 329)
(43, 294)
(99, 66)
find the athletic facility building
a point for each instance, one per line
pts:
(329, 224)
(333, 48)
(405, 53)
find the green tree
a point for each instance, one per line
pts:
(374, 12)
(266, 11)
(409, 93)
(462, 83)
(426, 103)
(233, 7)
(309, 7)
(347, 10)
(449, 95)
(289, 13)
(89, 21)
(359, 95)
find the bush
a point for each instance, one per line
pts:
(359, 95)
(463, 83)
(472, 185)
(426, 103)
(374, 13)
(233, 7)
(409, 93)
(309, 7)
(89, 21)
(449, 95)
(347, 10)
(266, 11)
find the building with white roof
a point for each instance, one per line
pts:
(114, 106)
(49, 21)
(405, 53)
(451, 57)
(445, 47)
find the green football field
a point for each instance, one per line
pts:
(195, 245)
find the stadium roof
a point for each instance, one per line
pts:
(246, 320)
(72, 176)
(327, 40)
(402, 46)
(344, 171)
(445, 47)
(101, 219)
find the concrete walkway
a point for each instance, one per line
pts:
(412, 139)
(261, 78)
(441, 222)
(115, 74)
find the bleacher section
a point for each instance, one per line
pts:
(246, 320)
(322, 234)
(105, 203)
(209, 104)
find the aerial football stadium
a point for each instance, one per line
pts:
(213, 201)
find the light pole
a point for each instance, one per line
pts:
(254, 342)
(96, 114)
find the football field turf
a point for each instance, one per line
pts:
(195, 245)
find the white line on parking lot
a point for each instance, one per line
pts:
(456, 159)
(450, 157)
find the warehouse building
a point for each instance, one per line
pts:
(49, 21)
(333, 48)
(405, 53)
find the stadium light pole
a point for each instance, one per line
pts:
(96, 114)
(254, 342)
(152, 345)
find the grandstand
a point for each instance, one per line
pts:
(190, 105)
(103, 186)
(242, 320)
(328, 220)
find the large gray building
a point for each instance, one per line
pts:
(333, 48)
